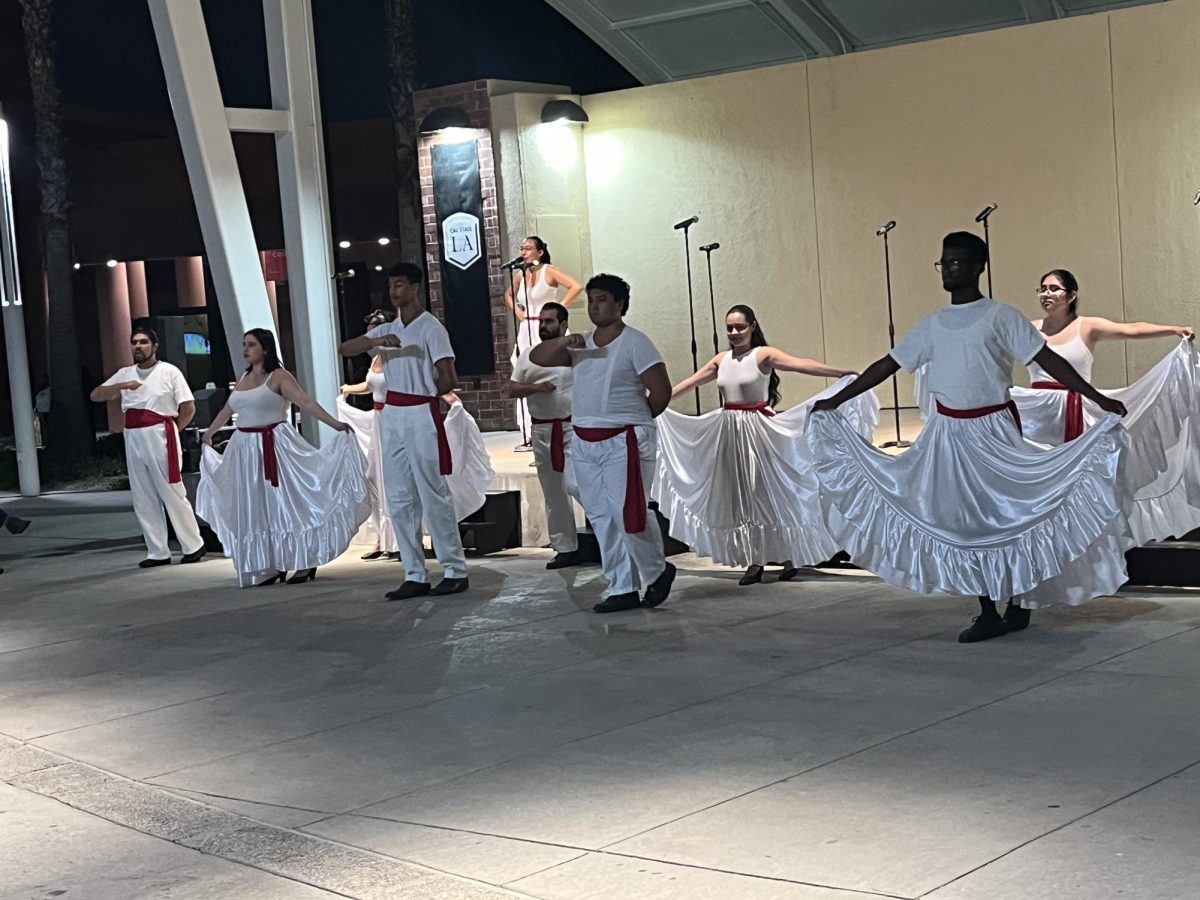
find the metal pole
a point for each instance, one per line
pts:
(14, 333)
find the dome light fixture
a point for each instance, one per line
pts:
(443, 118)
(563, 112)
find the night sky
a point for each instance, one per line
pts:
(108, 58)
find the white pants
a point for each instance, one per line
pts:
(416, 488)
(560, 511)
(146, 459)
(630, 561)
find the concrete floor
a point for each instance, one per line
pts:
(163, 733)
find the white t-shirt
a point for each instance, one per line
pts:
(555, 404)
(970, 349)
(163, 388)
(615, 394)
(409, 367)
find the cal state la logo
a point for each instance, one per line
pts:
(461, 239)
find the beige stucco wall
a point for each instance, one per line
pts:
(1086, 131)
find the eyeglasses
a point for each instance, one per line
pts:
(735, 329)
(949, 265)
(1050, 289)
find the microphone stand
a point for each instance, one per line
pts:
(518, 266)
(987, 241)
(687, 258)
(712, 301)
(887, 270)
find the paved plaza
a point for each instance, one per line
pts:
(165, 734)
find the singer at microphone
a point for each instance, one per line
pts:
(687, 223)
(516, 262)
(987, 211)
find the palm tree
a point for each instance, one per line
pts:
(402, 74)
(70, 436)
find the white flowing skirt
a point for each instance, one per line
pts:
(1162, 468)
(308, 520)
(738, 486)
(972, 508)
(468, 482)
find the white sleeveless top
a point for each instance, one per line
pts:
(1073, 350)
(258, 407)
(539, 294)
(740, 380)
(377, 382)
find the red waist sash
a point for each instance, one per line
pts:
(634, 512)
(754, 407)
(396, 398)
(557, 455)
(144, 418)
(1074, 423)
(270, 460)
(377, 406)
(980, 411)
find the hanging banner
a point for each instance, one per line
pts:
(467, 300)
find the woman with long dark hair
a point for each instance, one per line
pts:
(277, 503)
(736, 483)
(1162, 466)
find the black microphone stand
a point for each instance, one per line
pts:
(712, 300)
(687, 256)
(521, 267)
(987, 241)
(887, 270)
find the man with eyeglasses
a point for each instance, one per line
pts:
(973, 508)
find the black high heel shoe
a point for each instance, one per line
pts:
(753, 576)
(277, 578)
(303, 576)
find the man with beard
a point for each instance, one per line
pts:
(547, 392)
(157, 404)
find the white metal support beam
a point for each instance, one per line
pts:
(813, 27)
(1042, 10)
(212, 168)
(304, 197)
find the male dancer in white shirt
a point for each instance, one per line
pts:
(547, 393)
(418, 363)
(158, 404)
(972, 508)
(613, 455)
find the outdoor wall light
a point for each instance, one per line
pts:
(383, 241)
(112, 263)
(563, 112)
(345, 245)
(443, 118)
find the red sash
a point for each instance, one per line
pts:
(754, 407)
(635, 494)
(144, 418)
(1074, 424)
(377, 406)
(557, 456)
(395, 398)
(270, 460)
(980, 411)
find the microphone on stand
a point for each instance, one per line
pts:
(987, 211)
(686, 223)
(1196, 199)
(884, 229)
(515, 263)
(709, 248)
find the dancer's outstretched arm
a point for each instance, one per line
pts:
(1106, 330)
(290, 390)
(873, 375)
(774, 358)
(703, 375)
(1064, 373)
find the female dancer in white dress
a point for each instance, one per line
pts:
(1162, 468)
(472, 474)
(276, 503)
(736, 483)
(530, 290)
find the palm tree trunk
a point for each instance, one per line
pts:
(402, 73)
(70, 435)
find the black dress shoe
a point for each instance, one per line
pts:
(659, 588)
(982, 628)
(151, 563)
(1016, 618)
(408, 590)
(392, 554)
(618, 603)
(451, 586)
(789, 572)
(374, 554)
(753, 575)
(194, 557)
(564, 560)
(15, 524)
